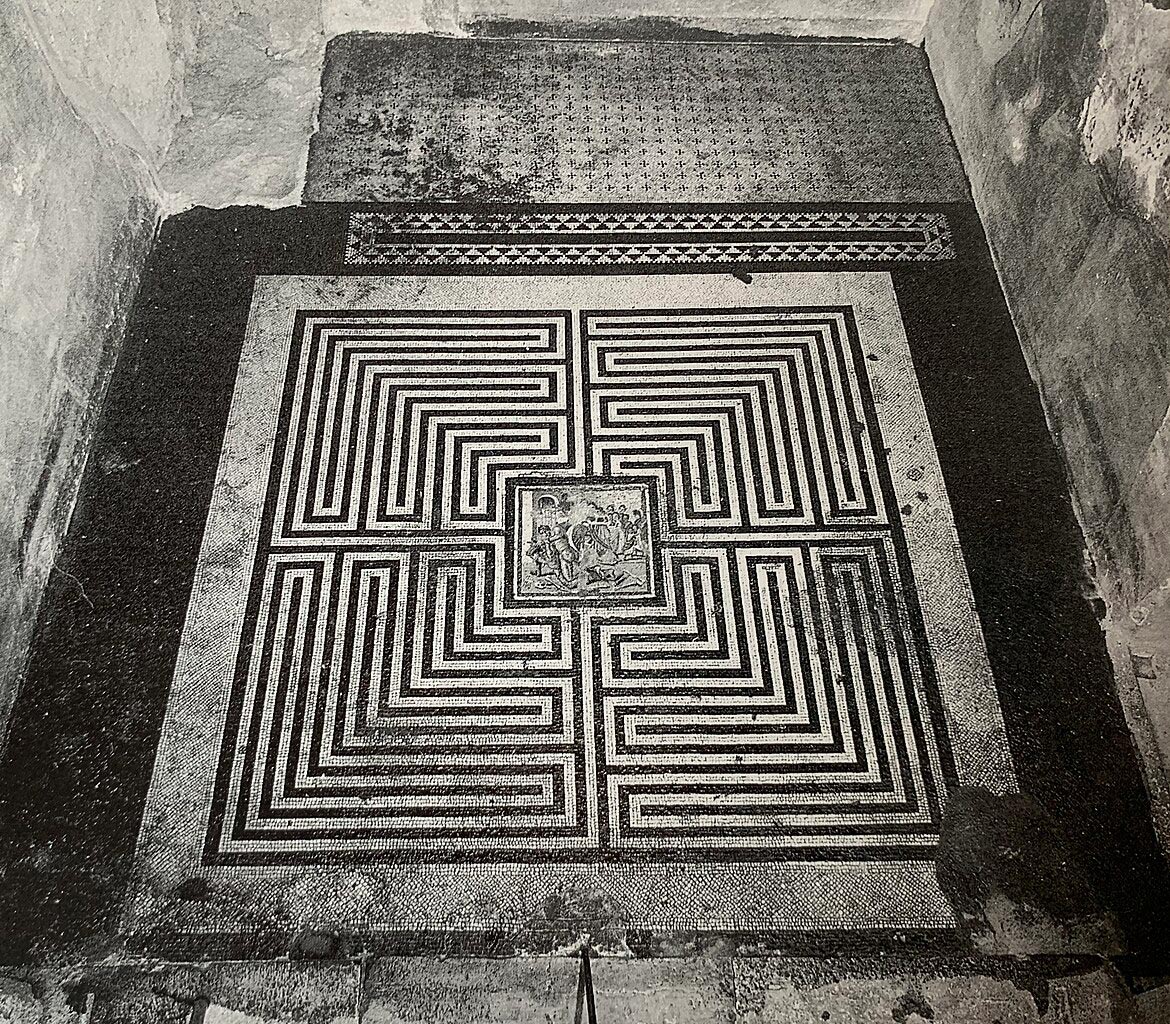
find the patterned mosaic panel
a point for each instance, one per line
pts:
(640, 237)
(423, 117)
(565, 571)
(583, 541)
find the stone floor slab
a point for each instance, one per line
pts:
(655, 992)
(424, 990)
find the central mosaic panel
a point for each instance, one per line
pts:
(592, 591)
(573, 540)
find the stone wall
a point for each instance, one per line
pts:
(250, 85)
(896, 19)
(77, 214)
(1062, 114)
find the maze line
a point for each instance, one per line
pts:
(751, 418)
(409, 421)
(703, 745)
(374, 727)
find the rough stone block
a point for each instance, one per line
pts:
(691, 991)
(426, 990)
(773, 993)
(222, 993)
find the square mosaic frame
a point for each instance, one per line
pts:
(756, 893)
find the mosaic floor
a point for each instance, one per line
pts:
(513, 586)
(542, 120)
(576, 561)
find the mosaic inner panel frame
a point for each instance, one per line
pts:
(525, 584)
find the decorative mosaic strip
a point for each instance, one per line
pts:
(642, 237)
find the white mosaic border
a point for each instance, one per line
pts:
(802, 896)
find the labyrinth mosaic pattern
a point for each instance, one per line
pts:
(573, 572)
(640, 237)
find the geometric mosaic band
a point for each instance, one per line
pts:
(641, 236)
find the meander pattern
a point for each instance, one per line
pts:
(579, 585)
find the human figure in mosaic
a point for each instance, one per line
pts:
(543, 552)
(550, 547)
(639, 534)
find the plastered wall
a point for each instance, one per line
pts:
(77, 214)
(1061, 112)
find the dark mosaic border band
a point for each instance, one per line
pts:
(134, 543)
(634, 236)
